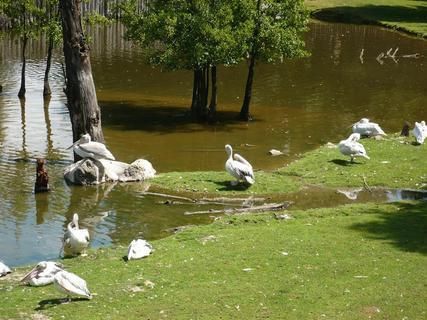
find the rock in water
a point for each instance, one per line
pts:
(85, 172)
(42, 178)
(138, 170)
(275, 152)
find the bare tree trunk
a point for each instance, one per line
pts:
(213, 103)
(85, 113)
(22, 90)
(244, 111)
(46, 86)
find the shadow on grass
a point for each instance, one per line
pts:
(342, 162)
(372, 13)
(406, 228)
(49, 303)
(227, 186)
(153, 117)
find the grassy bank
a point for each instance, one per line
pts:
(405, 15)
(351, 262)
(394, 163)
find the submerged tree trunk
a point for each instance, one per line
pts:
(22, 90)
(213, 103)
(46, 86)
(244, 111)
(83, 107)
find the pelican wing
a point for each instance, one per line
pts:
(139, 249)
(419, 132)
(72, 283)
(97, 149)
(241, 170)
(239, 158)
(4, 269)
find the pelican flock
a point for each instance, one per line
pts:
(138, 249)
(351, 147)
(238, 167)
(86, 148)
(42, 274)
(71, 284)
(76, 240)
(420, 131)
(366, 128)
(4, 269)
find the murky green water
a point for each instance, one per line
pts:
(297, 106)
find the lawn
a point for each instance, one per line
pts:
(350, 262)
(405, 15)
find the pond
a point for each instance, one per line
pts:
(297, 106)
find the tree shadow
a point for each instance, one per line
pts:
(405, 228)
(226, 186)
(154, 117)
(49, 303)
(367, 14)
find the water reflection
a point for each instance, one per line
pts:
(298, 105)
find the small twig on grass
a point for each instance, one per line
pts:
(262, 208)
(367, 187)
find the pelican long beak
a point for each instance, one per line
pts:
(73, 145)
(367, 157)
(29, 275)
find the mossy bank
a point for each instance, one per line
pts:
(350, 262)
(395, 163)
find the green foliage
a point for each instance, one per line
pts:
(94, 18)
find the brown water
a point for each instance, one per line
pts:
(297, 106)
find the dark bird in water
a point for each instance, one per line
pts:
(42, 178)
(405, 129)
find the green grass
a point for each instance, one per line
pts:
(212, 182)
(351, 262)
(405, 15)
(394, 163)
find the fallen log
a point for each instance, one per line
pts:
(229, 211)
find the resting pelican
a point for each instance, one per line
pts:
(351, 147)
(75, 239)
(139, 249)
(4, 269)
(86, 148)
(70, 283)
(43, 273)
(366, 128)
(420, 131)
(238, 167)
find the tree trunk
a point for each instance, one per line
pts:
(213, 103)
(83, 107)
(244, 111)
(195, 103)
(46, 86)
(21, 93)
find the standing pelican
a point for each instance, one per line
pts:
(420, 131)
(43, 273)
(86, 148)
(351, 147)
(75, 239)
(238, 167)
(4, 269)
(139, 249)
(69, 283)
(367, 128)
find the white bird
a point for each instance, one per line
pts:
(4, 269)
(139, 249)
(420, 131)
(43, 273)
(86, 148)
(75, 239)
(367, 128)
(69, 283)
(238, 167)
(351, 147)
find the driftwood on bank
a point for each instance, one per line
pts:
(229, 211)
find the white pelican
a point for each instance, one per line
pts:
(420, 131)
(69, 283)
(351, 147)
(4, 269)
(367, 128)
(75, 239)
(86, 148)
(238, 167)
(42, 274)
(139, 249)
